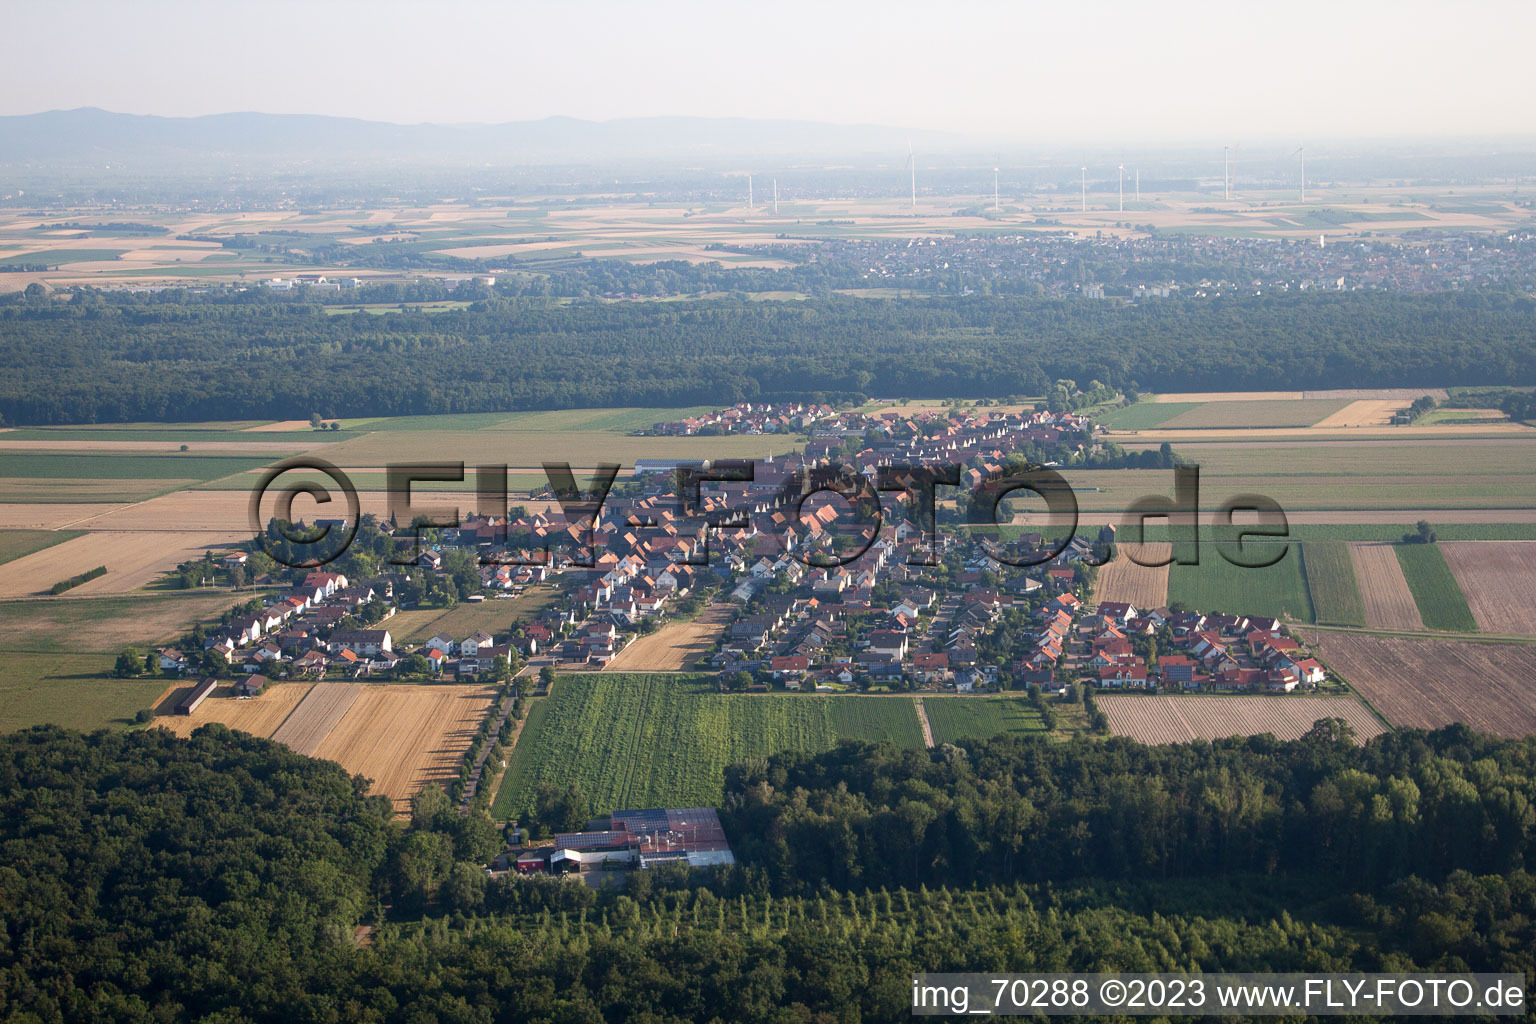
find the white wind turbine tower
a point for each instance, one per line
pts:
(1302, 156)
(912, 166)
(1226, 172)
(1122, 188)
(775, 197)
(996, 206)
(750, 204)
(1085, 189)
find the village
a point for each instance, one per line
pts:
(796, 597)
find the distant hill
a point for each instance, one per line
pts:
(92, 134)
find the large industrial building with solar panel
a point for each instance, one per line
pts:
(636, 840)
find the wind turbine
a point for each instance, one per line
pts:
(1301, 154)
(750, 205)
(1122, 188)
(1138, 184)
(995, 205)
(1226, 172)
(1085, 189)
(775, 197)
(912, 165)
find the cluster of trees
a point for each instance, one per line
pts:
(174, 355)
(223, 877)
(1012, 809)
(77, 579)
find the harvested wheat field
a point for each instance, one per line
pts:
(259, 716)
(132, 560)
(1498, 579)
(675, 646)
(322, 708)
(1389, 604)
(1366, 412)
(1179, 719)
(230, 511)
(1429, 683)
(47, 515)
(404, 736)
(1140, 585)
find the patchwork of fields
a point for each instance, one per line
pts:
(665, 740)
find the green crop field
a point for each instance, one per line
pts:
(114, 466)
(494, 616)
(1331, 582)
(16, 543)
(72, 690)
(1441, 602)
(958, 718)
(1144, 415)
(665, 740)
(1216, 585)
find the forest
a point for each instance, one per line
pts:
(177, 356)
(224, 878)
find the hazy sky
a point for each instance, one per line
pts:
(1106, 71)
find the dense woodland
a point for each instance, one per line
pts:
(221, 878)
(175, 356)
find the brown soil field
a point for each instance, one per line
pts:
(215, 511)
(1388, 602)
(675, 646)
(1457, 430)
(132, 560)
(403, 737)
(1366, 412)
(1179, 719)
(27, 515)
(259, 716)
(1499, 581)
(1429, 683)
(322, 708)
(1140, 585)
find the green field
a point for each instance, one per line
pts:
(665, 740)
(114, 466)
(1144, 415)
(16, 543)
(959, 718)
(1441, 602)
(1216, 585)
(1331, 582)
(72, 690)
(58, 257)
(494, 616)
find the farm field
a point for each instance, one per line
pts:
(1162, 718)
(1140, 585)
(492, 615)
(665, 740)
(315, 716)
(1498, 580)
(1145, 414)
(106, 625)
(1431, 682)
(1256, 413)
(958, 718)
(15, 544)
(404, 737)
(1441, 602)
(1279, 590)
(69, 690)
(259, 716)
(1366, 412)
(1331, 583)
(675, 646)
(1384, 590)
(132, 560)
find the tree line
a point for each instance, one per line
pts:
(175, 356)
